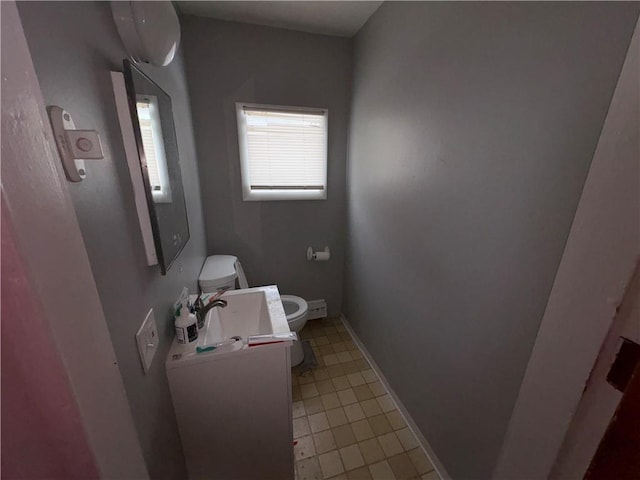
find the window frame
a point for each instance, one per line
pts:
(249, 194)
(159, 154)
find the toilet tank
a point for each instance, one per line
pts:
(218, 271)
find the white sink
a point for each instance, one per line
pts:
(252, 311)
(249, 311)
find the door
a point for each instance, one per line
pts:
(600, 399)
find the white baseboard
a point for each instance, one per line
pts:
(440, 470)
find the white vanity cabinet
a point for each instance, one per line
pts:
(234, 413)
(233, 402)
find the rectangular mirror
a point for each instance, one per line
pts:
(154, 131)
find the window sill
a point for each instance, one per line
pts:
(277, 195)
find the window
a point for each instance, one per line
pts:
(283, 152)
(153, 144)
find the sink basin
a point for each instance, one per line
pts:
(249, 311)
(252, 311)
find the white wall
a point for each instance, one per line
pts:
(74, 46)
(473, 127)
(230, 62)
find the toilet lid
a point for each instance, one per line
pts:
(218, 270)
(294, 307)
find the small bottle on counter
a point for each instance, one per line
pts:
(186, 325)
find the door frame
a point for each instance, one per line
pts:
(48, 238)
(598, 261)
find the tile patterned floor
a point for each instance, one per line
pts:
(345, 424)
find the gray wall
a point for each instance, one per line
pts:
(74, 47)
(473, 126)
(229, 62)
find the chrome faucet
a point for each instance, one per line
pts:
(215, 301)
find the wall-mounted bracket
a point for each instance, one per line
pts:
(74, 146)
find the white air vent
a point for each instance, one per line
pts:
(317, 309)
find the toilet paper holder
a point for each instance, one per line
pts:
(320, 256)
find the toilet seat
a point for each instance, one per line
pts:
(295, 308)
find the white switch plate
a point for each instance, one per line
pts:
(147, 340)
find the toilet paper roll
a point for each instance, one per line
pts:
(321, 256)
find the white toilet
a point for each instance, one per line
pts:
(220, 271)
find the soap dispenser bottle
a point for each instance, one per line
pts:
(186, 326)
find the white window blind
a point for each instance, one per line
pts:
(153, 145)
(283, 152)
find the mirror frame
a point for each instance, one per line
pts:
(167, 126)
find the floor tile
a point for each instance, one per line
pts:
(324, 441)
(347, 396)
(301, 427)
(296, 395)
(343, 436)
(329, 330)
(371, 407)
(350, 367)
(361, 473)
(371, 450)
(331, 359)
(309, 469)
(430, 476)
(369, 376)
(381, 471)
(304, 448)
(351, 345)
(313, 405)
(336, 417)
(362, 430)
(298, 409)
(320, 374)
(341, 382)
(362, 364)
(363, 392)
(356, 379)
(396, 420)
(335, 371)
(377, 388)
(339, 347)
(420, 461)
(309, 390)
(346, 425)
(335, 337)
(325, 349)
(354, 412)
(318, 422)
(305, 378)
(385, 402)
(406, 437)
(344, 357)
(390, 444)
(402, 467)
(380, 425)
(351, 457)
(330, 400)
(356, 354)
(330, 464)
(345, 336)
(325, 386)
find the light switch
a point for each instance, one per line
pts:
(147, 340)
